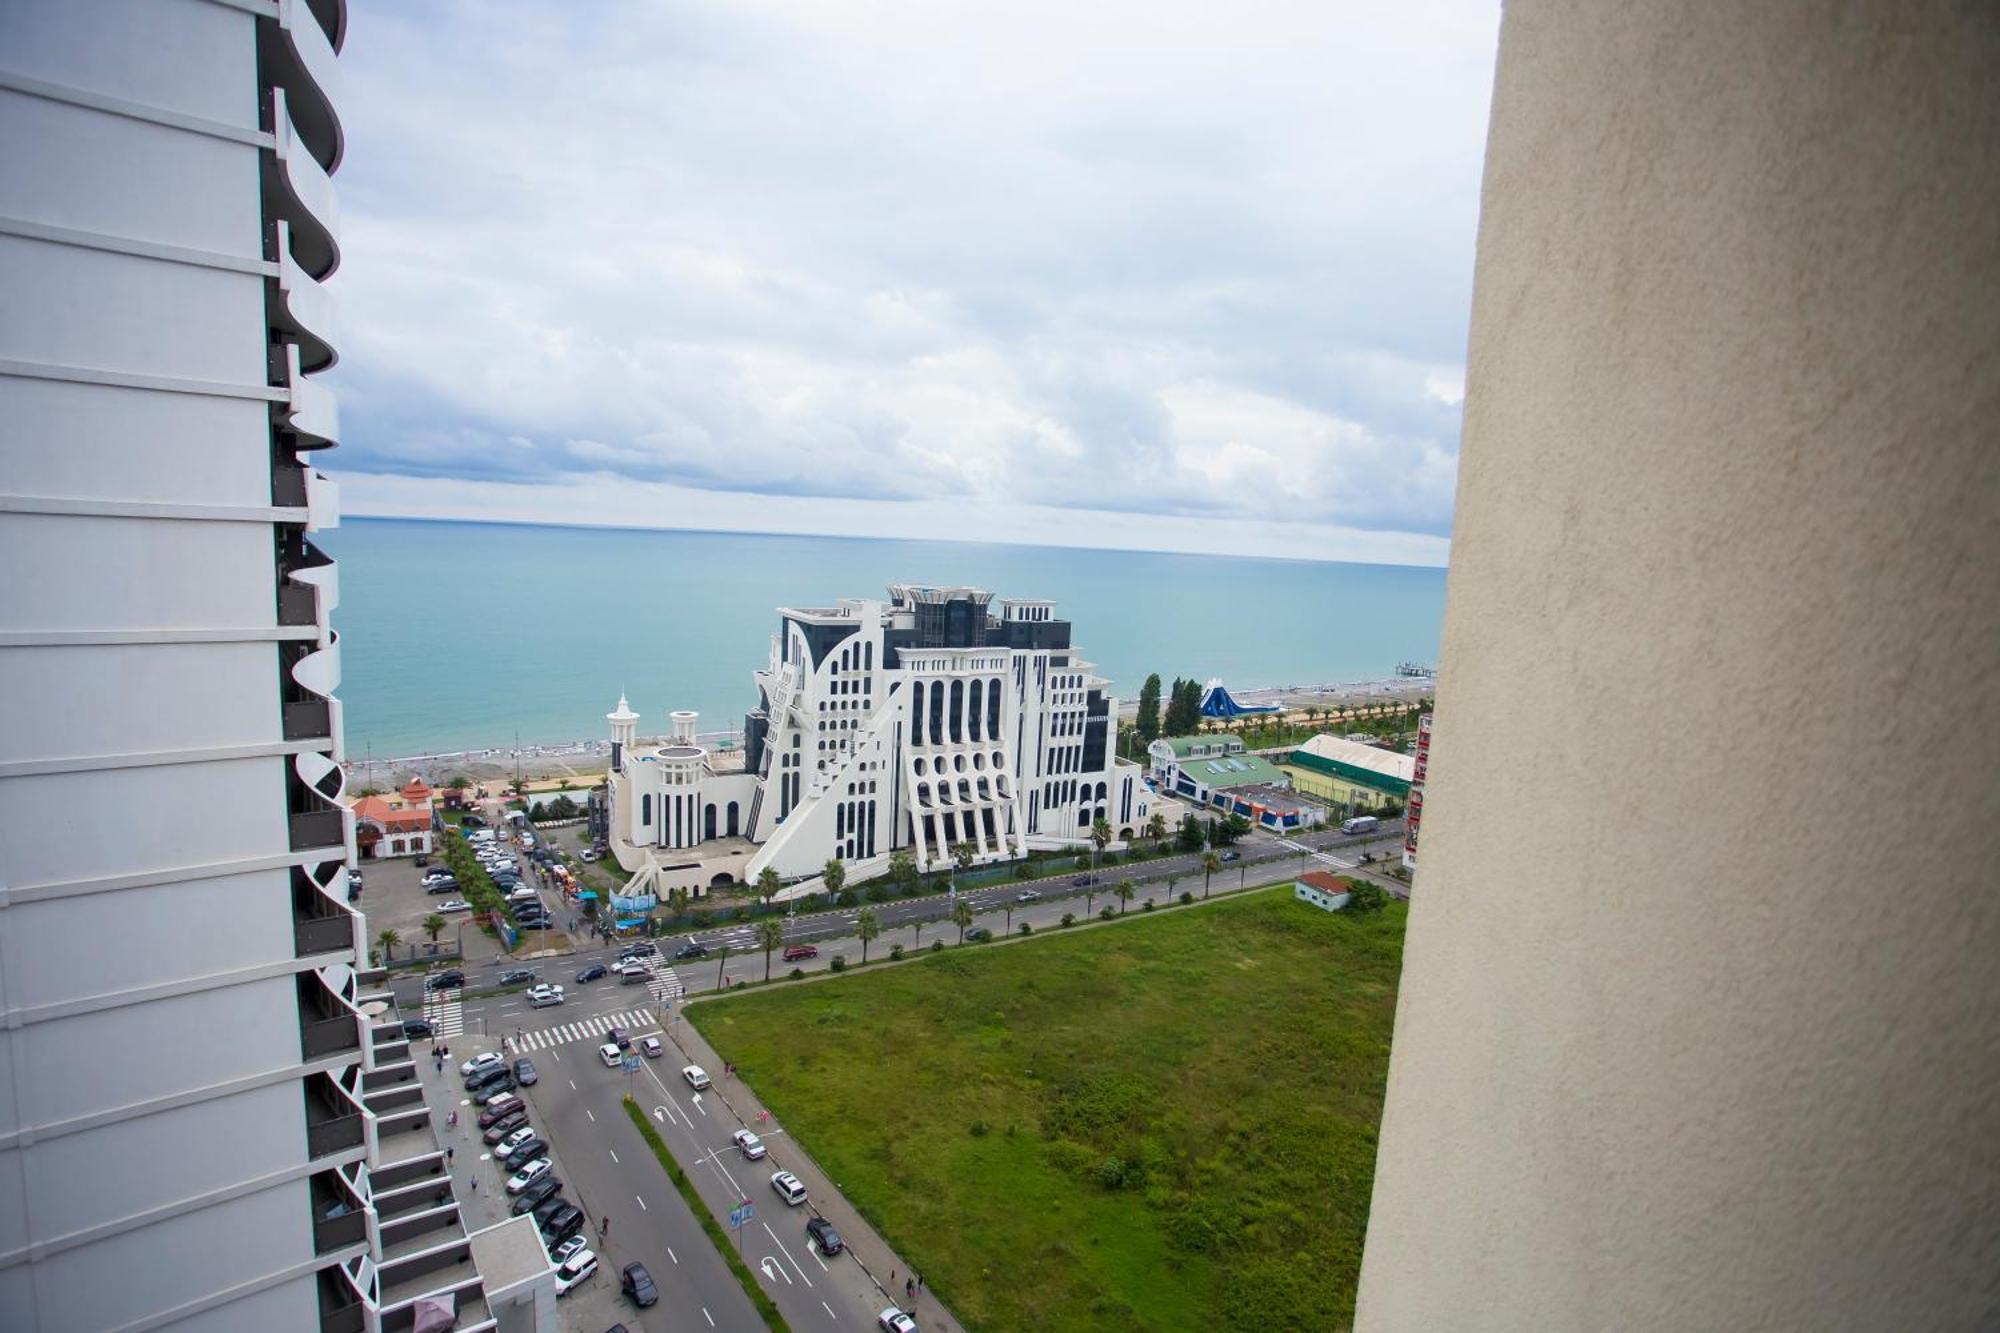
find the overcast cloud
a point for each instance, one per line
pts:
(1189, 278)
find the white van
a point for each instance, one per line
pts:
(1360, 824)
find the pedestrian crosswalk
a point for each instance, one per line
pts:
(591, 1029)
(1327, 857)
(444, 1012)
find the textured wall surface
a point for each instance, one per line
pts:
(1725, 568)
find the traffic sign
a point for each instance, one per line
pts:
(631, 1063)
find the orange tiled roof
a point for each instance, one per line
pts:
(396, 819)
(1325, 881)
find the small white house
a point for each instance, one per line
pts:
(1328, 892)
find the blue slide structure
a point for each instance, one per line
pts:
(1217, 703)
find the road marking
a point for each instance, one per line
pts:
(813, 1250)
(613, 1152)
(829, 1310)
(572, 1085)
(709, 1317)
(696, 1099)
(592, 1114)
(772, 1268)
(671, 1255)
(642, 1205)
(788, 1254)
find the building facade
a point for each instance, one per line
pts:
(211, 1119)
(930, 720)
(398, 825)
(1351, 774)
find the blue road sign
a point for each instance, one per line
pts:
(736, 1218)
(631, 1063)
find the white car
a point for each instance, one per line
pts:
(561, 1253)
(586, 855)
(891, 1320)
(789, 1187)
(454, 905)
(528, 1175)
(696, 1076)
(578, 1268)
(480, 1063)
(650, 1048)
(506, 1146)
(542, 997)
(752, 1146)
(611, 1055)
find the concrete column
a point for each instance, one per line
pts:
(1724, 580)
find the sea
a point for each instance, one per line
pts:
(466, 636)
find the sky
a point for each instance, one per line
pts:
(1152, 276)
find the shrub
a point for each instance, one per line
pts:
(977, 1129)
(1107, 912)
(798, 974)
(1027, 929)
(846, 898)
(937, 946)
(1146, 906)
(1365, 897)
(895, 953)
(1111, 1173)
(1069, 918)
(1108, 859)
(1186, 898)
(741, 985)
(839, 963)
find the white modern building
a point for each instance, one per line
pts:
(208, 1114)
(933, 719)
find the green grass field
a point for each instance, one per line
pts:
(1166, 1124)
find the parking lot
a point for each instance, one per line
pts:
(393, 899)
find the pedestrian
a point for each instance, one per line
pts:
(449, 1153)
(475, 1184)
(920, 1284)
(604, 1224)
(909, 1289)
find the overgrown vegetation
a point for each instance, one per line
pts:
(1168, 1126)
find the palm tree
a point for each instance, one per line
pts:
(1172, 880)
(770, 934)
(1100, 838)
(962, 855)
(866, 928)
(835, 875)
(768, 884)
(434, 926)
(677, 899)
(902, 869)
(961, 916)
(1210, 863)
(388, 939)
(1124, 892)
(1156, 829)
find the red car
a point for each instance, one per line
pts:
(794, 952)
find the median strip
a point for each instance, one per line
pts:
(773, 1320)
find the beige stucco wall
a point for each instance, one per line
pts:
(1725, 565)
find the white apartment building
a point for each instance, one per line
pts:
(208, 1116)
(926, 721)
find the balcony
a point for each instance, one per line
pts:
(333, 1123)
(323, 934)
(297, 189)
(318, 828)
(339, 1303)
(300, 309)
(327, 1026)
(309, 720)
(338, 1220)
(296, 53)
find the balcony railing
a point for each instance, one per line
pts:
(333, 1233)
(317, 828)
(308, 721)
(321, 1037)
(297, 604)
(322, 934)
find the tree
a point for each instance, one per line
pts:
(369, 791)
(1156, 829)
(1148, 723)
(1192, 836)
(1364, 897)
(459, 782)
(388, 939)
(1124, 891)
(1228, 831)
(677, 900)
(770, 934)
(768, 884)
(834, 874)
(961, 856)
(866, 929)
(961, 916)
(1210, 863)
(902, 870)
(1100, 834)
(1172, 880)
(434, 926)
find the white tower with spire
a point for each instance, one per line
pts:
(624, 728)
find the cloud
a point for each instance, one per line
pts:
(1195, 266)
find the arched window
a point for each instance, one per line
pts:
(708, 823)
(957, 708)
(975, 712)
(917, 713)
(646, 810)
(732, 819)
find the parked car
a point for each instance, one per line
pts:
(587, 855)
(454, 905)
(507, 1124)
(650, 1047)
(528, 1174)
(535, 918)
(562, 1224)
(505, 1147)
(643, 949)
(421, 861)
(696, 1076)
(524, 1072)
(489, 1060)
(823, 1235)
(444, 980)
(751, 1146)
(441, 886)
(1232, 856)
(592, 973)
(517, 976)
(637, 1283)
(487, 1073)
(416, 1027)
(574, 1245)
(798, 952)
(499, 1109)
(436, 873)
(789, 1187)
(610, 1055)
(537, 1194)
(498, 1088)
(575, 1271)
(527, 1150)
(692, 949)
(543, 997)
(978, 935)
(1084, 881)
(549, 1207)
(1028, 896)
(890, 1320)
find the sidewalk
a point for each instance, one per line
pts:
(865, 1246)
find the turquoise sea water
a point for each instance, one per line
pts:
(455, 635)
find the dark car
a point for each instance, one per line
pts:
(524, 1072)
(527, 1150)
(445, 980)
(978, 935)
(517, 976)
(445, 885)
(494, 1089)
(488, 1119)
(416, 1027)
(618, 1037)
(479, 1078)
(637, 1283)
(592, 973)
(562, 1224)
(1232, 856)
(507, 1124)
(823, 1235)
(795, 952)
(421, 862)
(549, 1207)
(537, 1194)
(692, 949)
(1084, 881)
